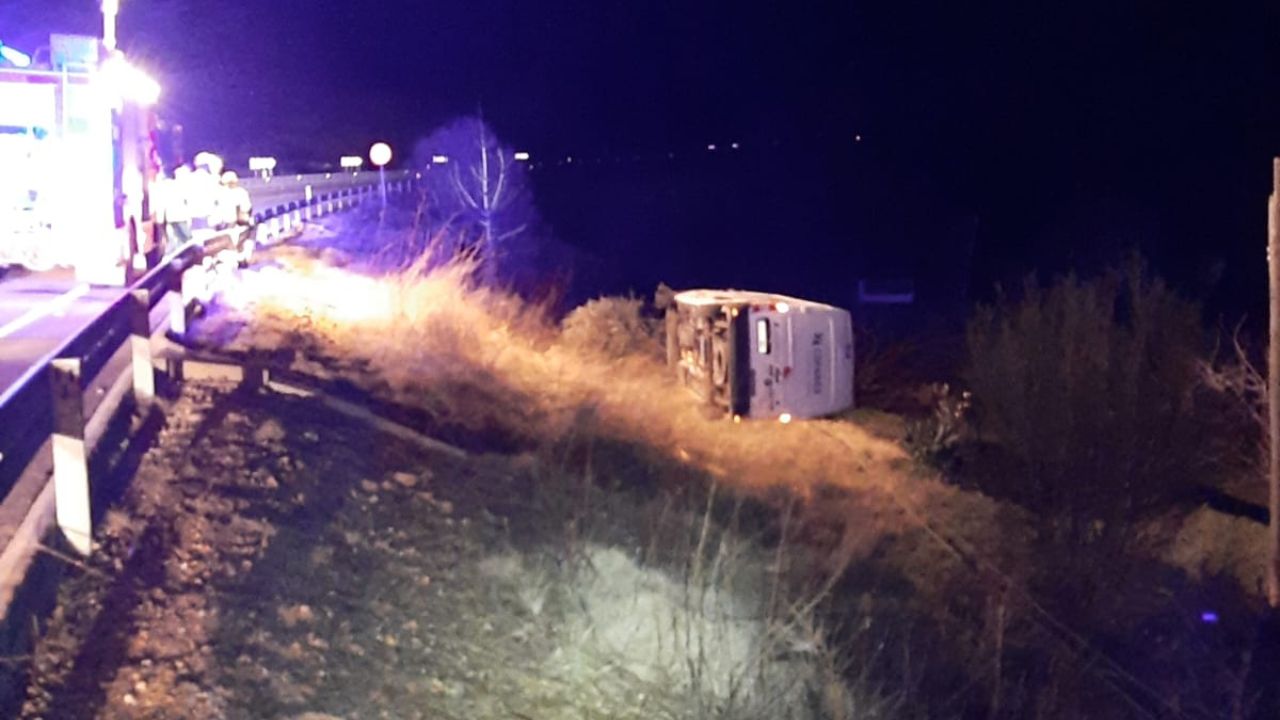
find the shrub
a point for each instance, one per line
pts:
(614, 326)
(1090, 387)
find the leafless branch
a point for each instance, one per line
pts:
(1239, 378)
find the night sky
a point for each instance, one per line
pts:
(1066, 130)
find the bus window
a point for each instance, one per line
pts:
(763, 345)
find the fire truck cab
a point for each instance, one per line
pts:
(78, 163)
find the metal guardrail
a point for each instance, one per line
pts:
(48, 400)
(309, 196)
(56, 415)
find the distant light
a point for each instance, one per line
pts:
(439, 159)
(350, 162)
(737, 419)
(857, 138)
(522, 156)
(784, 418)
(262, 164)
(569, 159)
(1209, 617)
(734, 145)
(711, 147)
(417, 176)
(782, 307)
(16, 57)
(380, 154)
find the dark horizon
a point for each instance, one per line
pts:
(1066, 134)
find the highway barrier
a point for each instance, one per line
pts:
(59, 422)
(283, 203)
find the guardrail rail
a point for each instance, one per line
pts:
(54, 418)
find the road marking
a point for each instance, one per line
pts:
(58, 305)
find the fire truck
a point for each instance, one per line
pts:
(761, 355)
(79, 162)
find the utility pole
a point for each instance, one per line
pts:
(1273, 388)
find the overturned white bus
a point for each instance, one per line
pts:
(761, 355)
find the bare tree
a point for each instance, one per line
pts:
(479, 193)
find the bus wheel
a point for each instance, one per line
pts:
(719, 362)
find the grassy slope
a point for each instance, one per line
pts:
(484, 360)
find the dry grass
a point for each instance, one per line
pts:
(893, 541)
(478, 357)
(484, 361)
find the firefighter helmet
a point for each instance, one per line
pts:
(208, 161)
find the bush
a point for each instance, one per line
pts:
(1090, 387)
(613, 326)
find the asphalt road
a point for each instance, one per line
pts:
(40, 312)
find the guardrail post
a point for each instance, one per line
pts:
(178, 306)
(144, 375)
(70, 455)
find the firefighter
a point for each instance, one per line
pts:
(175, 206)
(239, 215)
(237, 207)
(205, 191)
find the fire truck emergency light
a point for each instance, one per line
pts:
(14, 56)
(128, 82)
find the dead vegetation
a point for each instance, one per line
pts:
(275, 560)
(480, 359)
(813, 566)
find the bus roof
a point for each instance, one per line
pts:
(728, 297)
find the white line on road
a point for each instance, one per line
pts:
(58, 304)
